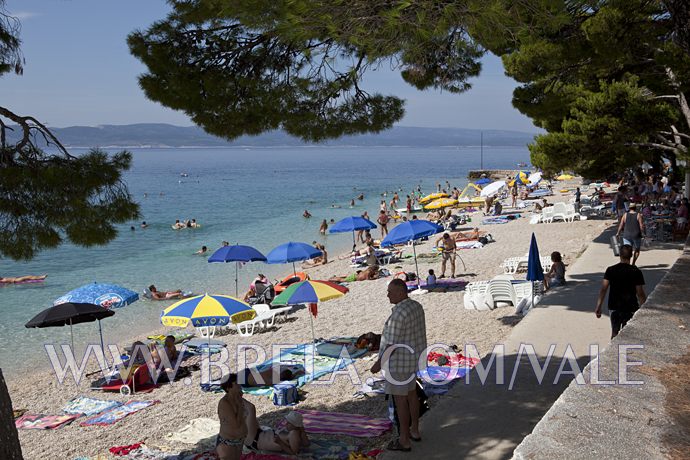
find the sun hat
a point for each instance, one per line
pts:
(295, 418)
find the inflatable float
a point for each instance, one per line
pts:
(290, 279)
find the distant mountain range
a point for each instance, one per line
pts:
(165, 135)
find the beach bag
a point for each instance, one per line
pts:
(483, 240)
(423, 405)
(285, 394)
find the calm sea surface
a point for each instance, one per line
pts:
(252, 196)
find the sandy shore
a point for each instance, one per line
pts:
(364, 309)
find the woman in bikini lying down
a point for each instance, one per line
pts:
(289, 442)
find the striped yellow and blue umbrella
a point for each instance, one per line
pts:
(310, 292)
(207, 310)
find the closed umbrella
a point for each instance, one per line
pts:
(410, 231)
(351, 224)
(292, 252)
(105, 295)
(71, 313)
(492, 189)
(236, 253)
(310, 292)
(535, 272)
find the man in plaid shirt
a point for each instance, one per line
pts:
(404, 335)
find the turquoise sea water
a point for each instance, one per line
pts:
(252, 196)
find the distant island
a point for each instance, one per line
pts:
(158, 135)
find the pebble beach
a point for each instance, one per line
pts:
(364, 309)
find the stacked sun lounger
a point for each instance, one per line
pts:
(486, 295)
(514, 265)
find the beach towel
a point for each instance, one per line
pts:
(144, 453)
(371, 387)
(359, 426)
(43, 422)
(197, 430)
(315, 366)
(88, 406)
(334, 347)
(120, 451)
(454, 359)
(323, 449)
(180, 336)
(438, 380)
(468, 245)
(118, 413)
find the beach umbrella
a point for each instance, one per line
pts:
(432, 197)
(410, 231)
(71, 313)
(292, 252)
(207, 310)
(310, 292)
(351, 224)
(105, 295)
(482, 181)
(492, 189)
(236, 253)
(535, 272)
(534, 179)
(564, 177)
(441, 203)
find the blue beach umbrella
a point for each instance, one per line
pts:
(236, 253)
(410, 231)
(482, 181)
(105, 295)
(535, 272)
(351, 224)
(292, 252)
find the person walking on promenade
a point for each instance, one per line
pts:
(627, 288)
(402, 344)
(632, 226)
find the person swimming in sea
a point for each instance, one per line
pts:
(306, 214)
(21, 279)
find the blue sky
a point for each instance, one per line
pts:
(79, 72)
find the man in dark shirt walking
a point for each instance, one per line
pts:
(627, 287)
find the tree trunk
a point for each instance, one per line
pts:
(9, 440)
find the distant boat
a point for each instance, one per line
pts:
(184, 175)
(522, 165)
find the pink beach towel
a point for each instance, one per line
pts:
(360, 426)
(115, 415)
(42, 422)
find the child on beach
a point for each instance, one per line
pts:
(431, 279)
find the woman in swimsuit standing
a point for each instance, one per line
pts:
(233, 428)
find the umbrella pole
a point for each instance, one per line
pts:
(311, 320)
(236, 265)
(100, 331)
(71, 333)
(354, 242)
(209, 357)
(414, 251)
(294, 270)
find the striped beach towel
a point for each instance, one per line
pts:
(359, 426)
(43, 422)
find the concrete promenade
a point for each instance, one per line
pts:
(488, 420)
